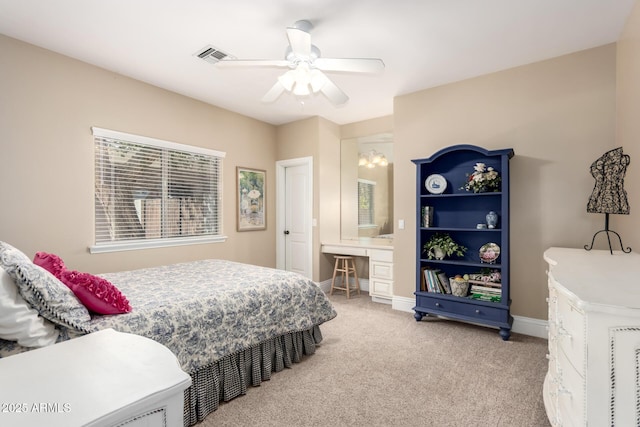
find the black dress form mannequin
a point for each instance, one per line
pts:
(608, 195)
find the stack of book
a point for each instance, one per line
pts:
(486, 291)
(435, 281)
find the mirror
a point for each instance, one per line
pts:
(366, 187)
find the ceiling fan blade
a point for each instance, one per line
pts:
(273, 93)
(356, 65)
(300, 42)
(252, 63)
(333, 92)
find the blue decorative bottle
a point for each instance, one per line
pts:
(492, 219)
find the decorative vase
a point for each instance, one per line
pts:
(492, 219)
(459, 288)
(438, 253)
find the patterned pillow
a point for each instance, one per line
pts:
(10, 256)
(97, 294)
(49, 296)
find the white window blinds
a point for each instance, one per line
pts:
(150, 192)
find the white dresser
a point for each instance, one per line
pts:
(594, 338)
(106, 378)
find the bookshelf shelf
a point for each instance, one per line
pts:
(458, 212)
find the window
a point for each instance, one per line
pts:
(151, 193)
(366, 193)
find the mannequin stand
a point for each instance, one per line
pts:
(607, 231)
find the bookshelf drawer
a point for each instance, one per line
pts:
(462, 309)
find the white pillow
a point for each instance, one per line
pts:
(19, 321)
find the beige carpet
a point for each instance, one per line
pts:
(379, 367)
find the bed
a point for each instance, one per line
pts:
(229, 324)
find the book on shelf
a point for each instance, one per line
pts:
(444, 281)
(484, 297)
(485, 283)
(423, 286)
(435, 281)
(485, 289)
(432, 281)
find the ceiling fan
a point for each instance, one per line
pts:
(306, 67)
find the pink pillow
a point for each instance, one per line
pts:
(97, 294)
(50, 262)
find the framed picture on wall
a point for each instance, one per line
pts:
(251, 206)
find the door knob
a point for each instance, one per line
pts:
(286, 231)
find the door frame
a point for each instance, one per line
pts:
(281, 167)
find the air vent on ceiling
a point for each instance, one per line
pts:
(212, 54)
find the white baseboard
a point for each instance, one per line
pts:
(521, 325)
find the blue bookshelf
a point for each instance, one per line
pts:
(457, 212)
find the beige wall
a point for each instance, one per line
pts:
(557, 115)
(628, 124)
(318, 138)
(367, 127)
(48, 104)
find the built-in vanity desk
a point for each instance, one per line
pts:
(380, 254)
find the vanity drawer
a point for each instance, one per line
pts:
(379, 287)
(380, 270)
(380, 255)
(343, 250)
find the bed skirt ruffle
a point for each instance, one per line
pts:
(230, 376)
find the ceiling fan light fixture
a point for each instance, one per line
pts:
(287, 80)
(302, 79)
(317, 80)
(301, 89)
(307, 69)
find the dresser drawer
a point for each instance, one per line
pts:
(571, 394)
(552, 301)
(381, 270)
(570, 333)
(465, 310)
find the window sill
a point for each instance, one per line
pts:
(154, 243)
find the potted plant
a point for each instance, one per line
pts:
(441, 245)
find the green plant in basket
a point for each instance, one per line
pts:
(441, 245)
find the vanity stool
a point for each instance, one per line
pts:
(345, 265)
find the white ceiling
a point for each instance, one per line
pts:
(424, 43)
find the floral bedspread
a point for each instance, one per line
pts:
(205, 310)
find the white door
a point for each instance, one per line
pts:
(295, 212)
